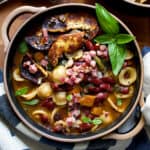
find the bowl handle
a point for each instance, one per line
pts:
(11, 17)
(131, 133)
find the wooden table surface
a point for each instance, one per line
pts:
(137, 19)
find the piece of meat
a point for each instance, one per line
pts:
(65, 43)
(73, 21)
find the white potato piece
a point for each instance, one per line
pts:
(60, 98)
(44, 90)
(17, 76)
(58, 74)
(30, 95)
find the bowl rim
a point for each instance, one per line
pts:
(60, 139)
(137, 4)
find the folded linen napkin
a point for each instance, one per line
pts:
(10, 141)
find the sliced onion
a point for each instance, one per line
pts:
(30, 95)
(17, 76)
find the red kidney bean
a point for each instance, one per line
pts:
(44, 119)
(101, 96)
(45, 34)
(48, 103)
(108, 80)
(85, 127)
(91, 116)
(89, 45)
(58, 128)
(105, 86)
(96, 46)
(93, 89)
(124, 90)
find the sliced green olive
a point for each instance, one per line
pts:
(127, 76)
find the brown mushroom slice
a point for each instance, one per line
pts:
(127, 76)
(124, 96)
(56, 24)
(65, 43)
(116, 108)
(82, 21)
(30, 95)
(72, 21)
(17, 76)
(129, 55)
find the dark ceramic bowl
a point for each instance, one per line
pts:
(27, 26)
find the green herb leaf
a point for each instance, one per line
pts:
(119, 102)
(69, 97)
(32, 102)
(23, 47)
(107, 22)
(117, 55)
(21, 91)
(124, 38)
(97, 121)
(105, 39)
(86, 119)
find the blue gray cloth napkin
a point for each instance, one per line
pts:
(10, 141)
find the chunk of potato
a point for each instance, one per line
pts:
(96, 111)
(87, 100)
(44, 90)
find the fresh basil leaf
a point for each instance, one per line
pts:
(32, 102)
(97, 121)
(23, 47)
(105, 39)
(124, 38)
(69, 97)
(86, 119)
(107, 22)
(119, 102)
(21, 91)
(117, 55)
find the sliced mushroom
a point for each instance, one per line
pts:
(44, 90)
(73, 21)
(127, 76)
(116, 108)
(66, 43)
(38, 43)
(129, 54)
(60, 98)
(30, 95)
(59, 74)
(124, 96)
(17, 76)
